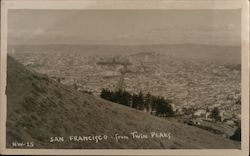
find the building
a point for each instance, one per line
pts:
(200, 112)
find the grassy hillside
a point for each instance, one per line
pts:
(40, 108)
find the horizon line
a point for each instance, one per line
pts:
(160, 44)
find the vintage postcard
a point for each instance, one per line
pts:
(125, 77)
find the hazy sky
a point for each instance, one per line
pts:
(124, 27)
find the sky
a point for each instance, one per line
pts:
(124, 27)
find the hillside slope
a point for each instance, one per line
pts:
(40, 108)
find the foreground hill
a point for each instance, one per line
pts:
(40, 108)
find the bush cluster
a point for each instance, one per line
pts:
(156, 105)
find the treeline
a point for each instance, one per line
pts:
(155, 105)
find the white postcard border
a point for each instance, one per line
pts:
(130, 4)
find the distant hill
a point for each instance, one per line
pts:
(39, 107)
(191, 51)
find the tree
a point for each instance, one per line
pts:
(163, 107)
(153, 104)
(148, 102)
(215, 114)
(117, 98)
(134, 101)
(103, 94)
(140, 101)
(124, 98)
(107, 94)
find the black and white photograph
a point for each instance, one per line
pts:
(124, 79)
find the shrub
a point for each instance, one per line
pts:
(159, 105)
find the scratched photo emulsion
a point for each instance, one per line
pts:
(124, 79)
